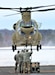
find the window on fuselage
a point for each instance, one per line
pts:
(30, 23)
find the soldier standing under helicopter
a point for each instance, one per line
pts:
(16, 58)
(19, 60)
(26, 61)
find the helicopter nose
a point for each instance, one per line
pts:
(27, 30)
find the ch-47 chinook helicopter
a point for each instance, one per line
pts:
(26, 30)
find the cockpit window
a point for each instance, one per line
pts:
(30, 23)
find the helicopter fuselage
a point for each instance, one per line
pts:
(26, 35)
(26, 32)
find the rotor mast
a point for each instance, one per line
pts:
(26, 16)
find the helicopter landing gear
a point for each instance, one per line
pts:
(14, 47)
(38, 46)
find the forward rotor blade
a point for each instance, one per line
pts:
(26, 7)
(13, 9)
(43, 10)
(46, 9)
(42, 6)
(32, 9)
(12, 14)
(9, 8)
(6, 8)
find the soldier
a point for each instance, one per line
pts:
(16, 58)
(21, 61)
(26, 60)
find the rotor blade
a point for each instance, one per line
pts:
(42, 10)
(34, 7)
(46, 9)
(42, 6)
(12, 14)
(27, 7)
(13, 9)
(9, 8)
(5, 8)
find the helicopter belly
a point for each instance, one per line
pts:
(27, 39)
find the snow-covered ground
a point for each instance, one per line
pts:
(46, 56)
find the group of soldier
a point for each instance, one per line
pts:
(22, 59)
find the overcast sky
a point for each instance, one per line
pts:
(47, 19)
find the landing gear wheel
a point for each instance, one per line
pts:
(37, 47)
(13, 47)
(40, 46)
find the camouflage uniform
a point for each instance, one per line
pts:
(20, 62)
(26, 60)
(16, 58)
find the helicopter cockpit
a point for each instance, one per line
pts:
(27, 27)
(30, 27)
(29, 24)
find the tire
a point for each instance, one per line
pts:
(13, 48)
(40, 46)
(37, 48)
